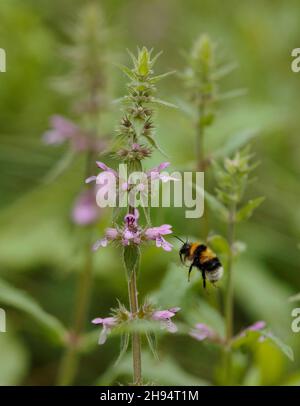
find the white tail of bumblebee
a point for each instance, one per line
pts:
(215, 275)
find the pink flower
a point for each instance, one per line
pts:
(154, 173)
(106, 169)
(132, 233)
(257, 326)
(108, 323)
(63, 130)
(110, 235)
(164, 316)
(85, 210)
(156, 233)
(202, 332)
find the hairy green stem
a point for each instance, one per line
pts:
(69, 363)
(136, 338)
(229, 292)
(200, 162)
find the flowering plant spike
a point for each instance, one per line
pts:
(137, 139)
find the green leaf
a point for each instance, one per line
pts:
(219, 244)
(261, 295)
(224, 70)
(235, 142)
(252, 337)
(167, 372)
(295, 298)
(143, 62)
(14, 360)
(128, 72)
(173, 288)
(131, 257)
(20, 300)
(163, 103)
(151, 339)
(246, 212)
(155, 144)
(231, 94)
(271, 363)
(248, 338)
(60, 167)
(125, 338)
(157, 78)
(187, 108)
(286, 349)
(216, 206)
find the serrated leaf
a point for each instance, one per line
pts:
(20, 300)
(246, 212)
(131, 257)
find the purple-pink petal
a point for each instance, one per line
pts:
(259, 325)
(91, 179)
(111, 233)
(107, 321)
(106, 168)
(100, 243)
(154, 232)
(85, 210)
(162, 315)
(202, 332)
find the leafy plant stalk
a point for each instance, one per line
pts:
(136, 338)
(229, 300)
(69, 363)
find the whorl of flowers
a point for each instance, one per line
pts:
(136, 133)
(202, 332)
(120, 317)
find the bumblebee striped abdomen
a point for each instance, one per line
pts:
(203, 258)
(207, 262)
(213, 269)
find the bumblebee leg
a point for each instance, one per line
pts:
(190, 270)
(204, 279)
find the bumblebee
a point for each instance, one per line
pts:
(203, 258)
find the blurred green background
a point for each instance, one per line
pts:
(40, 248)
